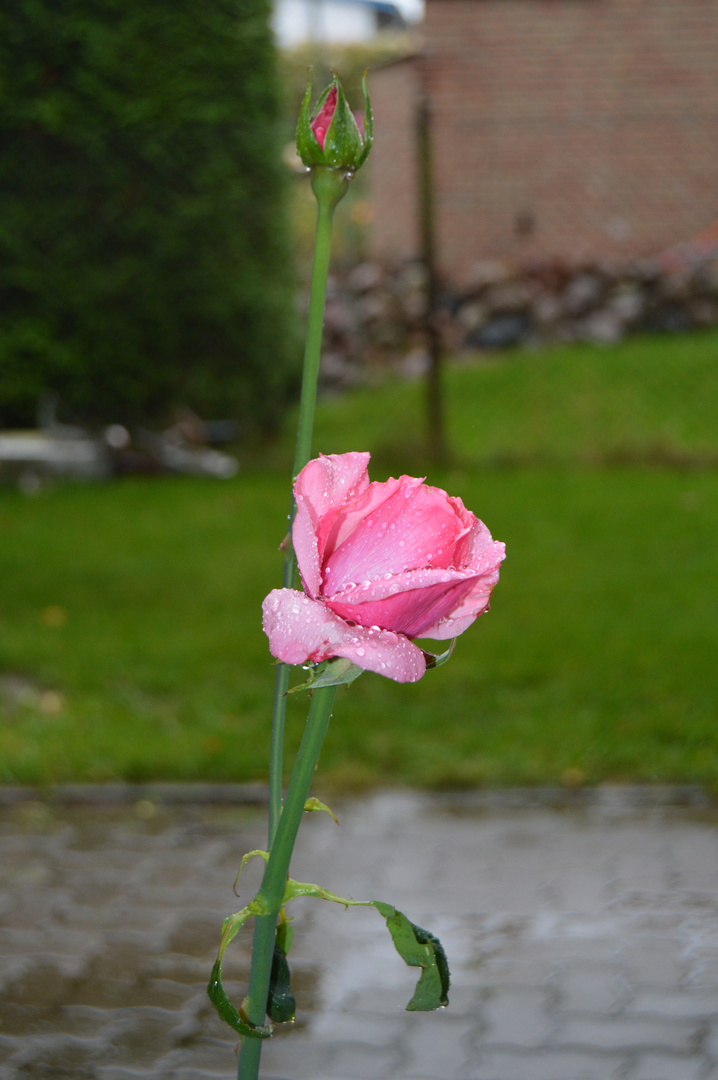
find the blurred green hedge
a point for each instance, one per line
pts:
(144, 257)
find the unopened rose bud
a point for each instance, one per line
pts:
(330, 136)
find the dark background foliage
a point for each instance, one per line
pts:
(143, 250)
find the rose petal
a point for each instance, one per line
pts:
(421, 601)
(351, 516)
(321, 490)
(408, 611)
(301, 630)
(414, 528)
(320, 123)
(476, 602)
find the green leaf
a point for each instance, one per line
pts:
(416, 947)
(281, 1004)
(419, 948)
(285, 933)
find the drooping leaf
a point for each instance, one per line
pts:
(419, 948)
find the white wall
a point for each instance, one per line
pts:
(295, 21)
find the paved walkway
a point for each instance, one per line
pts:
(583, 941)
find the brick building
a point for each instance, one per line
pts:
(560, 128)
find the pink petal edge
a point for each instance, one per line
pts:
(302, 630)
(321, 490)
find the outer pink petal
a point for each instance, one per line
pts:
(322, 488)
(408, 611)
(420, 601)
(476, 547)
(301, 629)
(474, 603)
(414, 528)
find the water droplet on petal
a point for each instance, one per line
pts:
(360, 652)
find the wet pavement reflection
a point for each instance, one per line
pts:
(582, 936)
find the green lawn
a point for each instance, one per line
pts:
(130, 627)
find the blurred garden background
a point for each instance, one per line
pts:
(155, 240)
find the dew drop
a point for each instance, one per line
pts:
(360, 652)
(402, 543)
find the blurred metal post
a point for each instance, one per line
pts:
(436, 438)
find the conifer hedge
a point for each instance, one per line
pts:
(143, 252)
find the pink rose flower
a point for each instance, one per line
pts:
(381, 564)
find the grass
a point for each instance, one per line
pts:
(130, 632)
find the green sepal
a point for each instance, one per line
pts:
(343, 141)
(435, 660)
(334, 672)
(308, 148)
(368, 123)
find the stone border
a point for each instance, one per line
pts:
(604, 796)
(122, 794)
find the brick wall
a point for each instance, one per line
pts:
(562, 128)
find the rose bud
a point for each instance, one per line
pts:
(381, 564)
(330, 135)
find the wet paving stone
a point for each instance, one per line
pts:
(583, 940)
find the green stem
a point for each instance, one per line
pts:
(271, 892)
(329, 187)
